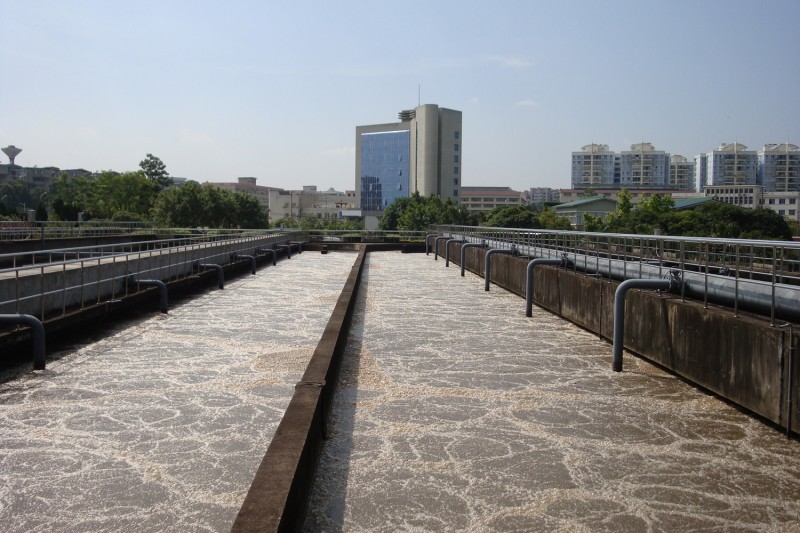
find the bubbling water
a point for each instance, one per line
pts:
(160, 426)
(455, 412)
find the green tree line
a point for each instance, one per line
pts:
(711, 219)
(416, 213)
(141, 196)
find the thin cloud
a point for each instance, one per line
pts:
(506, 61)
(527, 103)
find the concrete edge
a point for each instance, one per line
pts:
(278, 496)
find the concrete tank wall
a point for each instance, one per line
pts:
(743, 359)
(53, 289)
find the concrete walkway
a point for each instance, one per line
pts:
(455, 412)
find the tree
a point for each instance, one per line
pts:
(511, 216)
(550, 220)
(195, 205)
(416, 213)
(107, 193)
(156, 171)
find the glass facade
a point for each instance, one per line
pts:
(384, 168)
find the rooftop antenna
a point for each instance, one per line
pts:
(12, 152)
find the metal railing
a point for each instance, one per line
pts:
(771, 268)
(366, 236)
(52, 283)
(11, 231)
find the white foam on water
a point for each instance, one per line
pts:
(161, 425)
(455, 412)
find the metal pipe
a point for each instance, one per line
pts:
(619, 311)
(220, 273)
(162, 291)
(252, 261)
(271, 252)
(529, 281)
(436, 246)
(772, 299)
(427, 243)
(37, 332)
(488, 264)
(463, 252)
(447, 250)
(287, 248)
(790, 390)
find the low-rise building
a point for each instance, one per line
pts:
(597, 206)
(248, 185)
(481, 199)
(309, 202)
(785, 203)
(637, 195)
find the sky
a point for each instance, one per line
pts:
(275, 90)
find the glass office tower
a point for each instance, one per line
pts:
(384, 168)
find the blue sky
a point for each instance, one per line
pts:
(219, 90)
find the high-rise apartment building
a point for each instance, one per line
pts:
(701, 171)
(778, 167)
(732, 164)
(644, 167)
(422, 152)
(593, 167)
(681, 173)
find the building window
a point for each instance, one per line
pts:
(455, 192)
(455, 159)
(455, 170)
(455, 135)
(455, 147)
(455, 181)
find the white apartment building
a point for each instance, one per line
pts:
(779, 167)
(594, 167)
(732, 164)
(539, 195)
(644, 167)
(681, 173)
(701, 171)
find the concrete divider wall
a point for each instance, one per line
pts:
(278, 495)
(743, 359)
